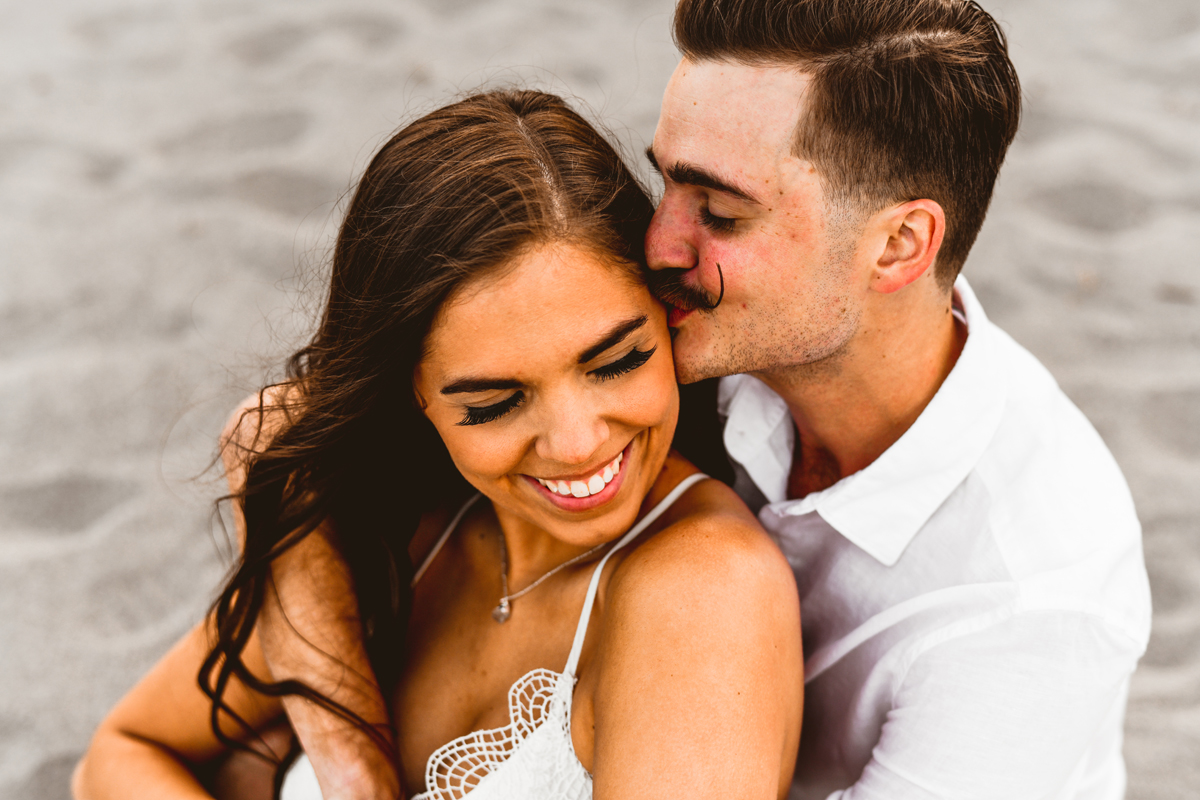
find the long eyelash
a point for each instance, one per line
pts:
(711, 220)
(478, 416)
(625, 365)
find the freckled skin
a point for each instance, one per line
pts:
(569, 423)
(787, 287)
(837, 309)
(530, 323)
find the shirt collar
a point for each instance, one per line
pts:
(880, 508)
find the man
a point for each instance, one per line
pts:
(967, 552)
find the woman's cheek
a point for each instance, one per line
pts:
(483, 454)
(665, 379)
(468, 445)
(656, 400)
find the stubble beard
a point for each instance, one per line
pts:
(771, 339)
(775, 341)
(771, 345)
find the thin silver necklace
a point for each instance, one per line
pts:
(503, 610)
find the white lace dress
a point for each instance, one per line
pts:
(531, 758)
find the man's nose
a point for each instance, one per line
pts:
(574, 431)
(668, 240)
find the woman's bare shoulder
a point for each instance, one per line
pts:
(712, 558)
(700, 644)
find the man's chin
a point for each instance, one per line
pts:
(685, 378)
(692, 363)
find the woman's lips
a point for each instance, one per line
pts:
(571, 503)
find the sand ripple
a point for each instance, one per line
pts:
(165, 167)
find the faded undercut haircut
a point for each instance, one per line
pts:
(908, 99)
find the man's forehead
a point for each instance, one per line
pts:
(728, 115)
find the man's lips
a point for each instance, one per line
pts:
(677, 315)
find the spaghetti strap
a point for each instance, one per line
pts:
(634, 532)
(442, 540)
(533, 755)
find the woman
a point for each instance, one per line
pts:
(485, 415)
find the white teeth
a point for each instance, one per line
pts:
(593, 485)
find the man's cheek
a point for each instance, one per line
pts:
(739, 265)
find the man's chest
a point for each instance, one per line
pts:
(847, 593)
(863, 621)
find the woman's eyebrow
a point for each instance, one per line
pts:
(471, 385)
(614, 337)
(611, 339)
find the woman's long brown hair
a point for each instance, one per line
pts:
(452, 196)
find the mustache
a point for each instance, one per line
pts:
(669, 287)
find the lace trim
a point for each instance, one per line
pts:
(540, 700)
(540, 697)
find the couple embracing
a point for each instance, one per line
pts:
(491, 549)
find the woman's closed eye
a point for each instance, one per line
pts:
(626, 364)
(479, 415)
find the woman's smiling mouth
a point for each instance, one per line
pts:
(584, 493)
(593, 485)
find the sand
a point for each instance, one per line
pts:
(168, 178)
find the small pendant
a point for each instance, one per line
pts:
(502, 612)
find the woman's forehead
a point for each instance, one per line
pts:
(553, 300)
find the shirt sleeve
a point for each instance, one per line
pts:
(1029, 708)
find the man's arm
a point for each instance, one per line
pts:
(310, 632)
(1015, 711)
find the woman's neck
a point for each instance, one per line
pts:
(532, 551)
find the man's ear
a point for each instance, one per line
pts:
(914, 232)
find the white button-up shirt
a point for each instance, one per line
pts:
(974, 602)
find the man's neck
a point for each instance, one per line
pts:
(853, 406)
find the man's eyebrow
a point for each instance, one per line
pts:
(653, 161)
(691, 175)
(471, 385)
(614, 337)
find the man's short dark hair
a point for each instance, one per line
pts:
(908, 99)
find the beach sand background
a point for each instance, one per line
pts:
(168, 178)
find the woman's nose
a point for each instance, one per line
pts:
(574, 432)
(668, 243)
